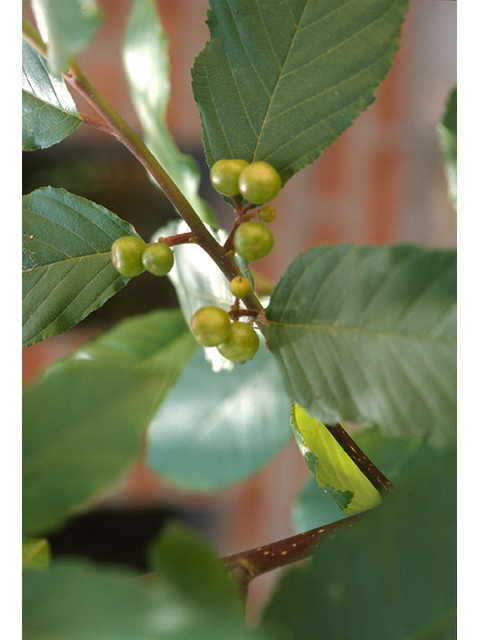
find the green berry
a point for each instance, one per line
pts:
(210, 326)
(242, 343)
(158, 259)
(252, 240)
(259, 182)
(267, 213)
(127, 255)
(224, 176)
(240, 286)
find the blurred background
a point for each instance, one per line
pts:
(381, 182)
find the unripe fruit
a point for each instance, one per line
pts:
(240, 286)
(127, 255)
(158, 259)
(267, 213)
(224, 176)
(242, 343)
(211, 326)
(259, 182)
(252, 240)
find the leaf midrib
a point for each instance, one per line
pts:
(332, 329)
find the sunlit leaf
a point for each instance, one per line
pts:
(145, 59)
(447, 135)
(66, 27)
(333, 469)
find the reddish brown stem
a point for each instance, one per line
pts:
(237, 313)
(180, 238)
(366, 466)
(247, 565)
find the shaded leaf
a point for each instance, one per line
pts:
(279, 81)
(392, 575)
(66, 261)
(83, 420)
(145, 59)
(66, 27)
(35, 553)
(49, 113)
(185, 560)
(78, 601)
(216, 428)
(368, 335)
(447, 136)
(332, 467)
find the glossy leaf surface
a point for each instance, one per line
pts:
(66, 27)
(392, 575)
(279, 81)
(368, 335)
(49, 113)
(83, 420)
(66, 263)
(146, 64)
(216, 428)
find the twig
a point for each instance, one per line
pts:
(366, 466)
(247, 565)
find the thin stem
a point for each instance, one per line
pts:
(114, 124)
(247, 565)
(366, 466)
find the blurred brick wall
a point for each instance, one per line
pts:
(381, 182)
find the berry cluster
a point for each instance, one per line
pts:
(257, 183)
(131, 256)
(236, 341)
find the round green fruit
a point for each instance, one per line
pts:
(267, 213)
(224, 176)
(127, 255)
(240, 286)
(242, 343)
(211, 326)
(158, 259)
(259, 182)
(252, 240)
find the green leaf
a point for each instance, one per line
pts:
(78, 601)
(447, 136)
(145, 60)
(279, 81)
(392, 456)
(188, 562)
(66, 27)
(35, 553)
(66, 261)
(391, 576)
(83, 420)
(332, 467)
(216, 428)
(48, 111)
(368, 335)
